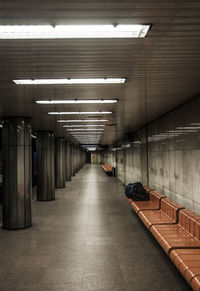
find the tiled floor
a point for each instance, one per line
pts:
(87, 239)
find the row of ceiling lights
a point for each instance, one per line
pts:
(94, 138)
(75, 31)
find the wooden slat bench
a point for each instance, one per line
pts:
(180, 235)
(154, 202)
(107, 168)
(176, 229)
(167, 214)
(187, 262)
(187, 258)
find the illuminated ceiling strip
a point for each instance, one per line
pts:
(85, 129)
(84, 125)
(80, 112)
(69, 81)
(188, 127)
(76, 101)
(73, 31)
(87, 134)
(86, 137)
(83, 120)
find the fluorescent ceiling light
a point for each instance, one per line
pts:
(89, 145)
(69, 81)
(85, 129)
(80, 112)
(91, 149)
(116, 149)
(86, 142)
(91, 138)
(75, 101)
(73, 31)
(188, 127)
(83, 125)
(87, 138)
(91, 142)
(87, 132)
(83, 120)
(126, 146)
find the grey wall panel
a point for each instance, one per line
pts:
(17, 173)
(174, 148)
(167, 156)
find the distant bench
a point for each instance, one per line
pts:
(176, 229)
(108, 169)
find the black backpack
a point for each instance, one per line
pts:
(136, 192)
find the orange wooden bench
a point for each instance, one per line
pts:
(187, 262)
(187, 258)
(107, 168)
(180, 235)
(167, 214)
(154, 202)
(177, 230)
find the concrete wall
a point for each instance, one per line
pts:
(165, 155)
(96, 158)
(174, 154)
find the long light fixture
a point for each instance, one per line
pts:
(89, 140)
(86, 142)
(84, 125)
(69, 81)
(96, 101)
(73, 31)
(83, 120)
(91, 149)
(87, 132)
(80, 112)
(188, 127)
(85, 129)
(87, 136)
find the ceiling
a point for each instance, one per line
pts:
(162, 70)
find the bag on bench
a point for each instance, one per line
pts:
(136, 192)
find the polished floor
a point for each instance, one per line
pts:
(87, 239)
